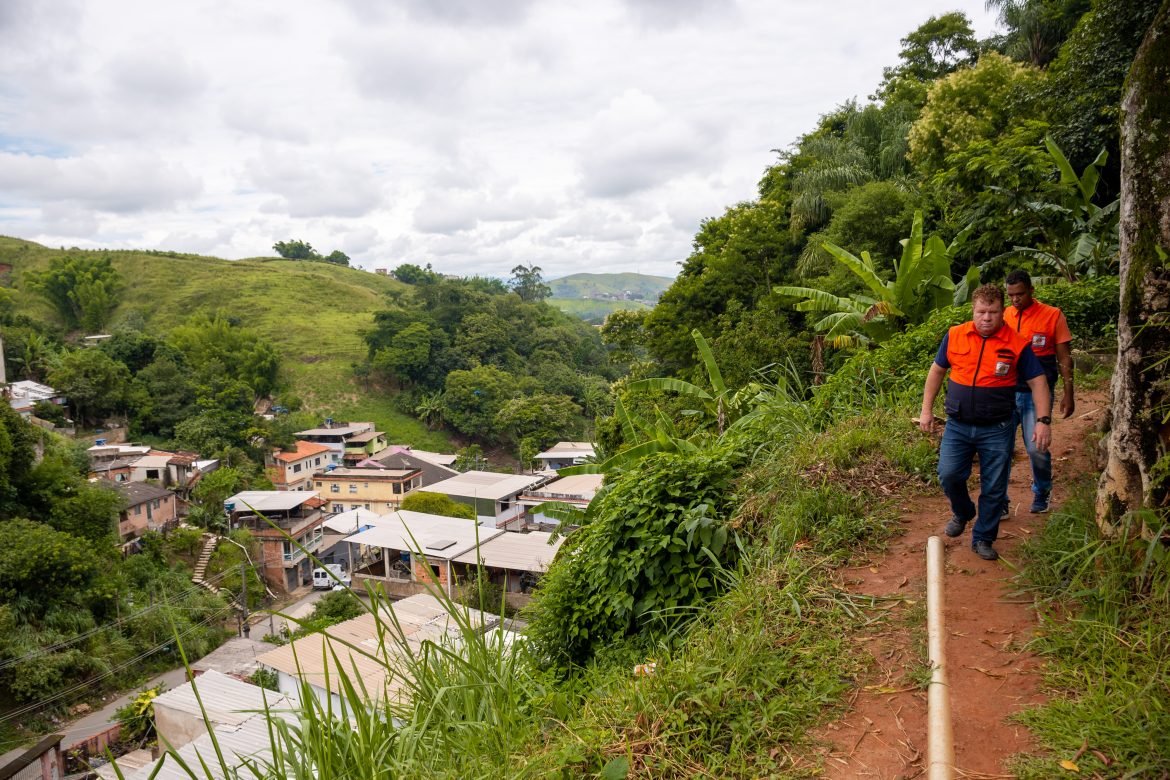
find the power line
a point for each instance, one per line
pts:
(48, 649)
(114, 670)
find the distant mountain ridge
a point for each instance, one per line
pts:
(624, 286)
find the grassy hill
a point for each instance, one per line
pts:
(315, 314)
(646, 287)
(594, 310)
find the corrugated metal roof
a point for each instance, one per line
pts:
(484, 484)
(416, 530)
(349, 522)
(566, 448)
(249, 740)
(270, 500)
(226, 700)
(518, 552)
(378, 665)
(583, 485)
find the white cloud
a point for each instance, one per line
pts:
(117, 182)
(317, 185)
(474, 135)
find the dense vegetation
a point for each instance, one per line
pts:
(493, 362)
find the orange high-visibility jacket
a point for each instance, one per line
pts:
(981, 388)
(1044, 327)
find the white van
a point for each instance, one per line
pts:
(332, 577)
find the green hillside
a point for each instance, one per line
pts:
(314, 313)
(639, 286)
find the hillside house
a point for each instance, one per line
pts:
(293, 470)
(494, 496)
(514, 561)
(566, 453)
(378, 490)
(148, 508)
(336, 435)
(577, 491)
(362, 445)
(24, 395)
(296, 514)
(403, 458)
(234, 710)
(313, 659)
(389, 546)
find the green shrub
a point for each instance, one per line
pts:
(882, 375)
(649, 556)
(1091, 308)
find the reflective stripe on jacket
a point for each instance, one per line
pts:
(981, 388)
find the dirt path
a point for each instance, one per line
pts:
(883, 735)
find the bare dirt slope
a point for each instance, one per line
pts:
(883, 734)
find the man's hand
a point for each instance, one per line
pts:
(1042, 436)
(926, 422)
(1068, 404)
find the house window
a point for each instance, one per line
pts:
(152, 473)
(367, 507)
(296, 468)
(334, 488)
(317, 462)
(338, 508)
(397, 488)
(355, 506)
(352, 488)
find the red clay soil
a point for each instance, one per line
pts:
(883, 733)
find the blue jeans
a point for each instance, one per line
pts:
(960, 443)
(1041, 461)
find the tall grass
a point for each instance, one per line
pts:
(1105, 612)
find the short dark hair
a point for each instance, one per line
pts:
(988, 293)
(1018, 277)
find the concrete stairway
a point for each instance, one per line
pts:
(210, 542)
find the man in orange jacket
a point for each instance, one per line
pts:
(985, 359)
(1045, 328)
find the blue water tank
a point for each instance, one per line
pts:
(229, 506)
(99, 442)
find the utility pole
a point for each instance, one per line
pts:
(245, 629)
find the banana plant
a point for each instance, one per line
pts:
(1077, 237)
(922, 283)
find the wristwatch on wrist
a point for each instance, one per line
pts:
(1045, 419)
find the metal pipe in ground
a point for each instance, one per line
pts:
(939, 736)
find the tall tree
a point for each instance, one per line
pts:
(529, 284)
(95, 384)
(84, 290)
(1140, 389)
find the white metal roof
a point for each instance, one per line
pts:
(438, 458)
(349, 522)
(566, 449)
(580, 485)
(484, 484)
(410, 531)
(518, 552)
(251, 740)
(421, 618)
(225, 699)
(270, 500)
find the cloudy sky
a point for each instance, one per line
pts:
(469, 134)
